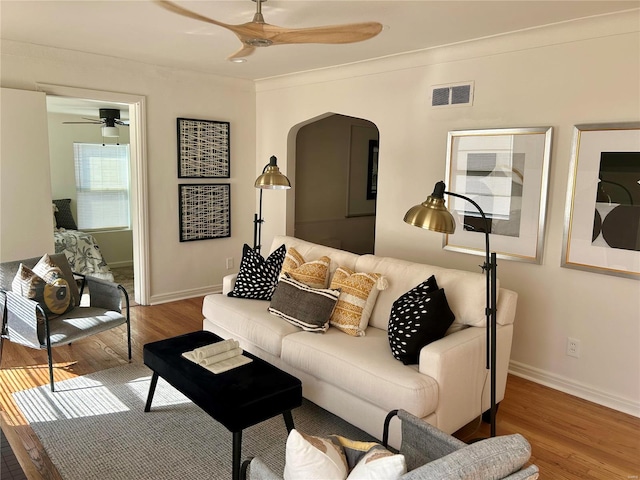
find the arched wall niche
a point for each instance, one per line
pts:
(332, 164)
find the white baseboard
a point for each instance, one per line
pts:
(577, 389)
(184, 294)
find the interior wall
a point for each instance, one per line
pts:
(325, 167)
(26, 220)
(116, 246)
(579, 72)
(177, 269)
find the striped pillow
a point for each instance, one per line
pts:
(358, 293)
(306, 307)
(314, 273)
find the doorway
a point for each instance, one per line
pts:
(336, 183)
(135, 107)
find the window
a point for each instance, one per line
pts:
(102, 185)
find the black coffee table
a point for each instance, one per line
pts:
(238, 398)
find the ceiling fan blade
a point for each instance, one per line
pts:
(172, 7)
(83, 123)
(245, 51)
(330, 34)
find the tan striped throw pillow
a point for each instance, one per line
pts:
(358, 293)
(314, 273)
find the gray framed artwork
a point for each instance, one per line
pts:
(205, 211)
(506, 171)
(203, 148)
(602, 210)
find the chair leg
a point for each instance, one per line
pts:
(50, 364)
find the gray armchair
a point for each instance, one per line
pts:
(26, 322)
(431, 454)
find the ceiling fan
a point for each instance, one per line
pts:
(258, 33)
(109, 118)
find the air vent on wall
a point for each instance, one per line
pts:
(452, 95)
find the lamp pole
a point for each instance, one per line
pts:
(432, 214)
(489, 268)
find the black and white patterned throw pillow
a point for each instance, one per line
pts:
(257, 277)
(418, 317)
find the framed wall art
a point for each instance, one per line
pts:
(602, 212)
(203, 148)
(506, 171)
(205, 211)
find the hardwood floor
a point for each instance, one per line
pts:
(570, 437)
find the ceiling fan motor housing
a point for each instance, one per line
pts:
(110, 114)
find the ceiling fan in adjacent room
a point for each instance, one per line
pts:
(258, 33)
(109, 118)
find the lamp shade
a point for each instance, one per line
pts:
(432, 213)
(110, 132)
(271, 177)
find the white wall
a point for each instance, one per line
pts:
(580, 72)
(26, 218)
(177, 269)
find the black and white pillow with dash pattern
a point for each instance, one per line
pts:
(257, 277)
(419, 317)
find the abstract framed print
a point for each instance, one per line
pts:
(505, 171)
(203, 148)
(602, 210)
(205, 211)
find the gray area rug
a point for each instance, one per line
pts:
(94, 427)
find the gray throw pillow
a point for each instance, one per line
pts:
(304, 306)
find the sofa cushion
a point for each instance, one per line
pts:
(493, 458)
(301, 305)
(249, 320)
(358, 293)
(313, 458)
(419, 317)
(466, 291)
(362, 366)
(258, 277)
(314, 273)
(313, 250)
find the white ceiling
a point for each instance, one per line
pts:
(142, 31)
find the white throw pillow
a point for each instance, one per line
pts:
(379, 464)
(313, 458)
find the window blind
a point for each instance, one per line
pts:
(102, 186)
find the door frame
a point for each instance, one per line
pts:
(139, 183)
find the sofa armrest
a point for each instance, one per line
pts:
(457, 363)
(228, 282)
(493, 458)
(106, 294)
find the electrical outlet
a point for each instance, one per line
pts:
(573, 347)
(229, 263)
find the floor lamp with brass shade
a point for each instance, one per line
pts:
(271, 179)
(433, 215)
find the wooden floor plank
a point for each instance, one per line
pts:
(571, 438)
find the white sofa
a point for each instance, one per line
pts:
(357, 378)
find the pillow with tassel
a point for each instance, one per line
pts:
(358, 294)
